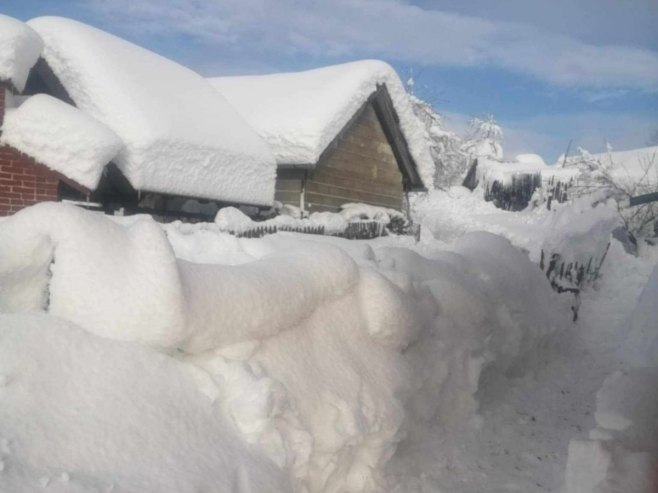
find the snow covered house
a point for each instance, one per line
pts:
(340, 134)
(39, 136)
(170, 139)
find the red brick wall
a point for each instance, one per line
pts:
(23, 181)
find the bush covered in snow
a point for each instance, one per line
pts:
(353, 221)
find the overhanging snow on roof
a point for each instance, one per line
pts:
(61, 137)
(20, 48)
(180, 136)
(299, 114)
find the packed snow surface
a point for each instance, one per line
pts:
(300, 113)
(180, 136)
(20, 48)
(62, 137)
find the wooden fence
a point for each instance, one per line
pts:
(360, 230)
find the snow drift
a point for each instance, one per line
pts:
(82, 413)
(324, 354)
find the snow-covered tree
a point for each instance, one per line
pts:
(485, 139)
(597, 180)
(453, 155)
(451, 162)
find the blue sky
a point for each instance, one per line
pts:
(549, 71)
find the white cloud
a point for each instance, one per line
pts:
(389, 29)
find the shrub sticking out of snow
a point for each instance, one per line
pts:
(579, 234)
(357, 211)
(233, 220)
(20, 48)
(61, 137)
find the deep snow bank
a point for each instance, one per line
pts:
(324, 353)
(84, 413)
(480, 303)
(115, 281)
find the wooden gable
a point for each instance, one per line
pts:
(367, 162)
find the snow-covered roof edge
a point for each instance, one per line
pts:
(296, 148)
(61, 137)
(20, 48)
(180, 137)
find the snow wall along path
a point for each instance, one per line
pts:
(322, 358)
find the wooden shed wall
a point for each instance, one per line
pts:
(361, 168)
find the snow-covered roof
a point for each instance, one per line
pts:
(20, 48)
(530, 159)
(62, 137)
(180, 136)
(300, 113)
(490, 170)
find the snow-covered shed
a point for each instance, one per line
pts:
(47, 147)
(340, 134)
(179, 138)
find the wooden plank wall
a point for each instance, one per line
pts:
(362, 168)
(289, 186)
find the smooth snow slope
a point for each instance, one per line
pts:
(20, 48)
(82, 413)
(300, 113)
(181, 137)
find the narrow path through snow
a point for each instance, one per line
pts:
(532, 411)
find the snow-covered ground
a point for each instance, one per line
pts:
(141, 357)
